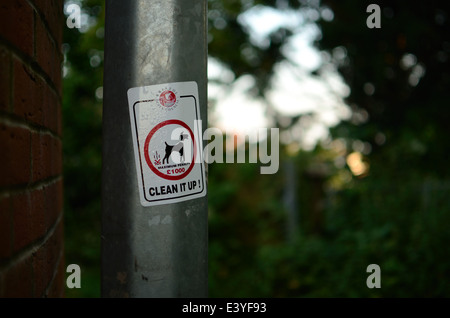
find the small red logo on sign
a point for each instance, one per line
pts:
(167, 98)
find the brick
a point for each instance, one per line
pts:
(57, 80)
(53, 203)
(30, 156)
(56, 157)
(16, 24)
(40, 271)
(45, 261)
(30, 217)
(51, 114)
(46, 156)
(38, 211)
(53, 16)
(5, 80)
(5, 228)
(57, 167)
(56, 289)
(22, 227)
(48, 55)
(52, 11)
(34, 213)
(40, 152)
(54, 244)
(18, 280)
(59, 120)
(28, 94)
(15, 160)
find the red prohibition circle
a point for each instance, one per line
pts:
(147, 142)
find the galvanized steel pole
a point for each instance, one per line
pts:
(157, 251)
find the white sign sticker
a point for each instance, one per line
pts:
(166, 130)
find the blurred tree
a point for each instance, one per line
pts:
(399, 75)
(82, 110)
(395, 143)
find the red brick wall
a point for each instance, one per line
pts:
(31, 192)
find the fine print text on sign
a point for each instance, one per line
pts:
(167, 142)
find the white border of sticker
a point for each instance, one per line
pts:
(146, 113)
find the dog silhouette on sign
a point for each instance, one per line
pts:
(179, 147)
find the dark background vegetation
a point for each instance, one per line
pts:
(319, 242)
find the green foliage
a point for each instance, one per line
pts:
(82, 146)
(401, 226)
(406, 107)
(396, 215)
